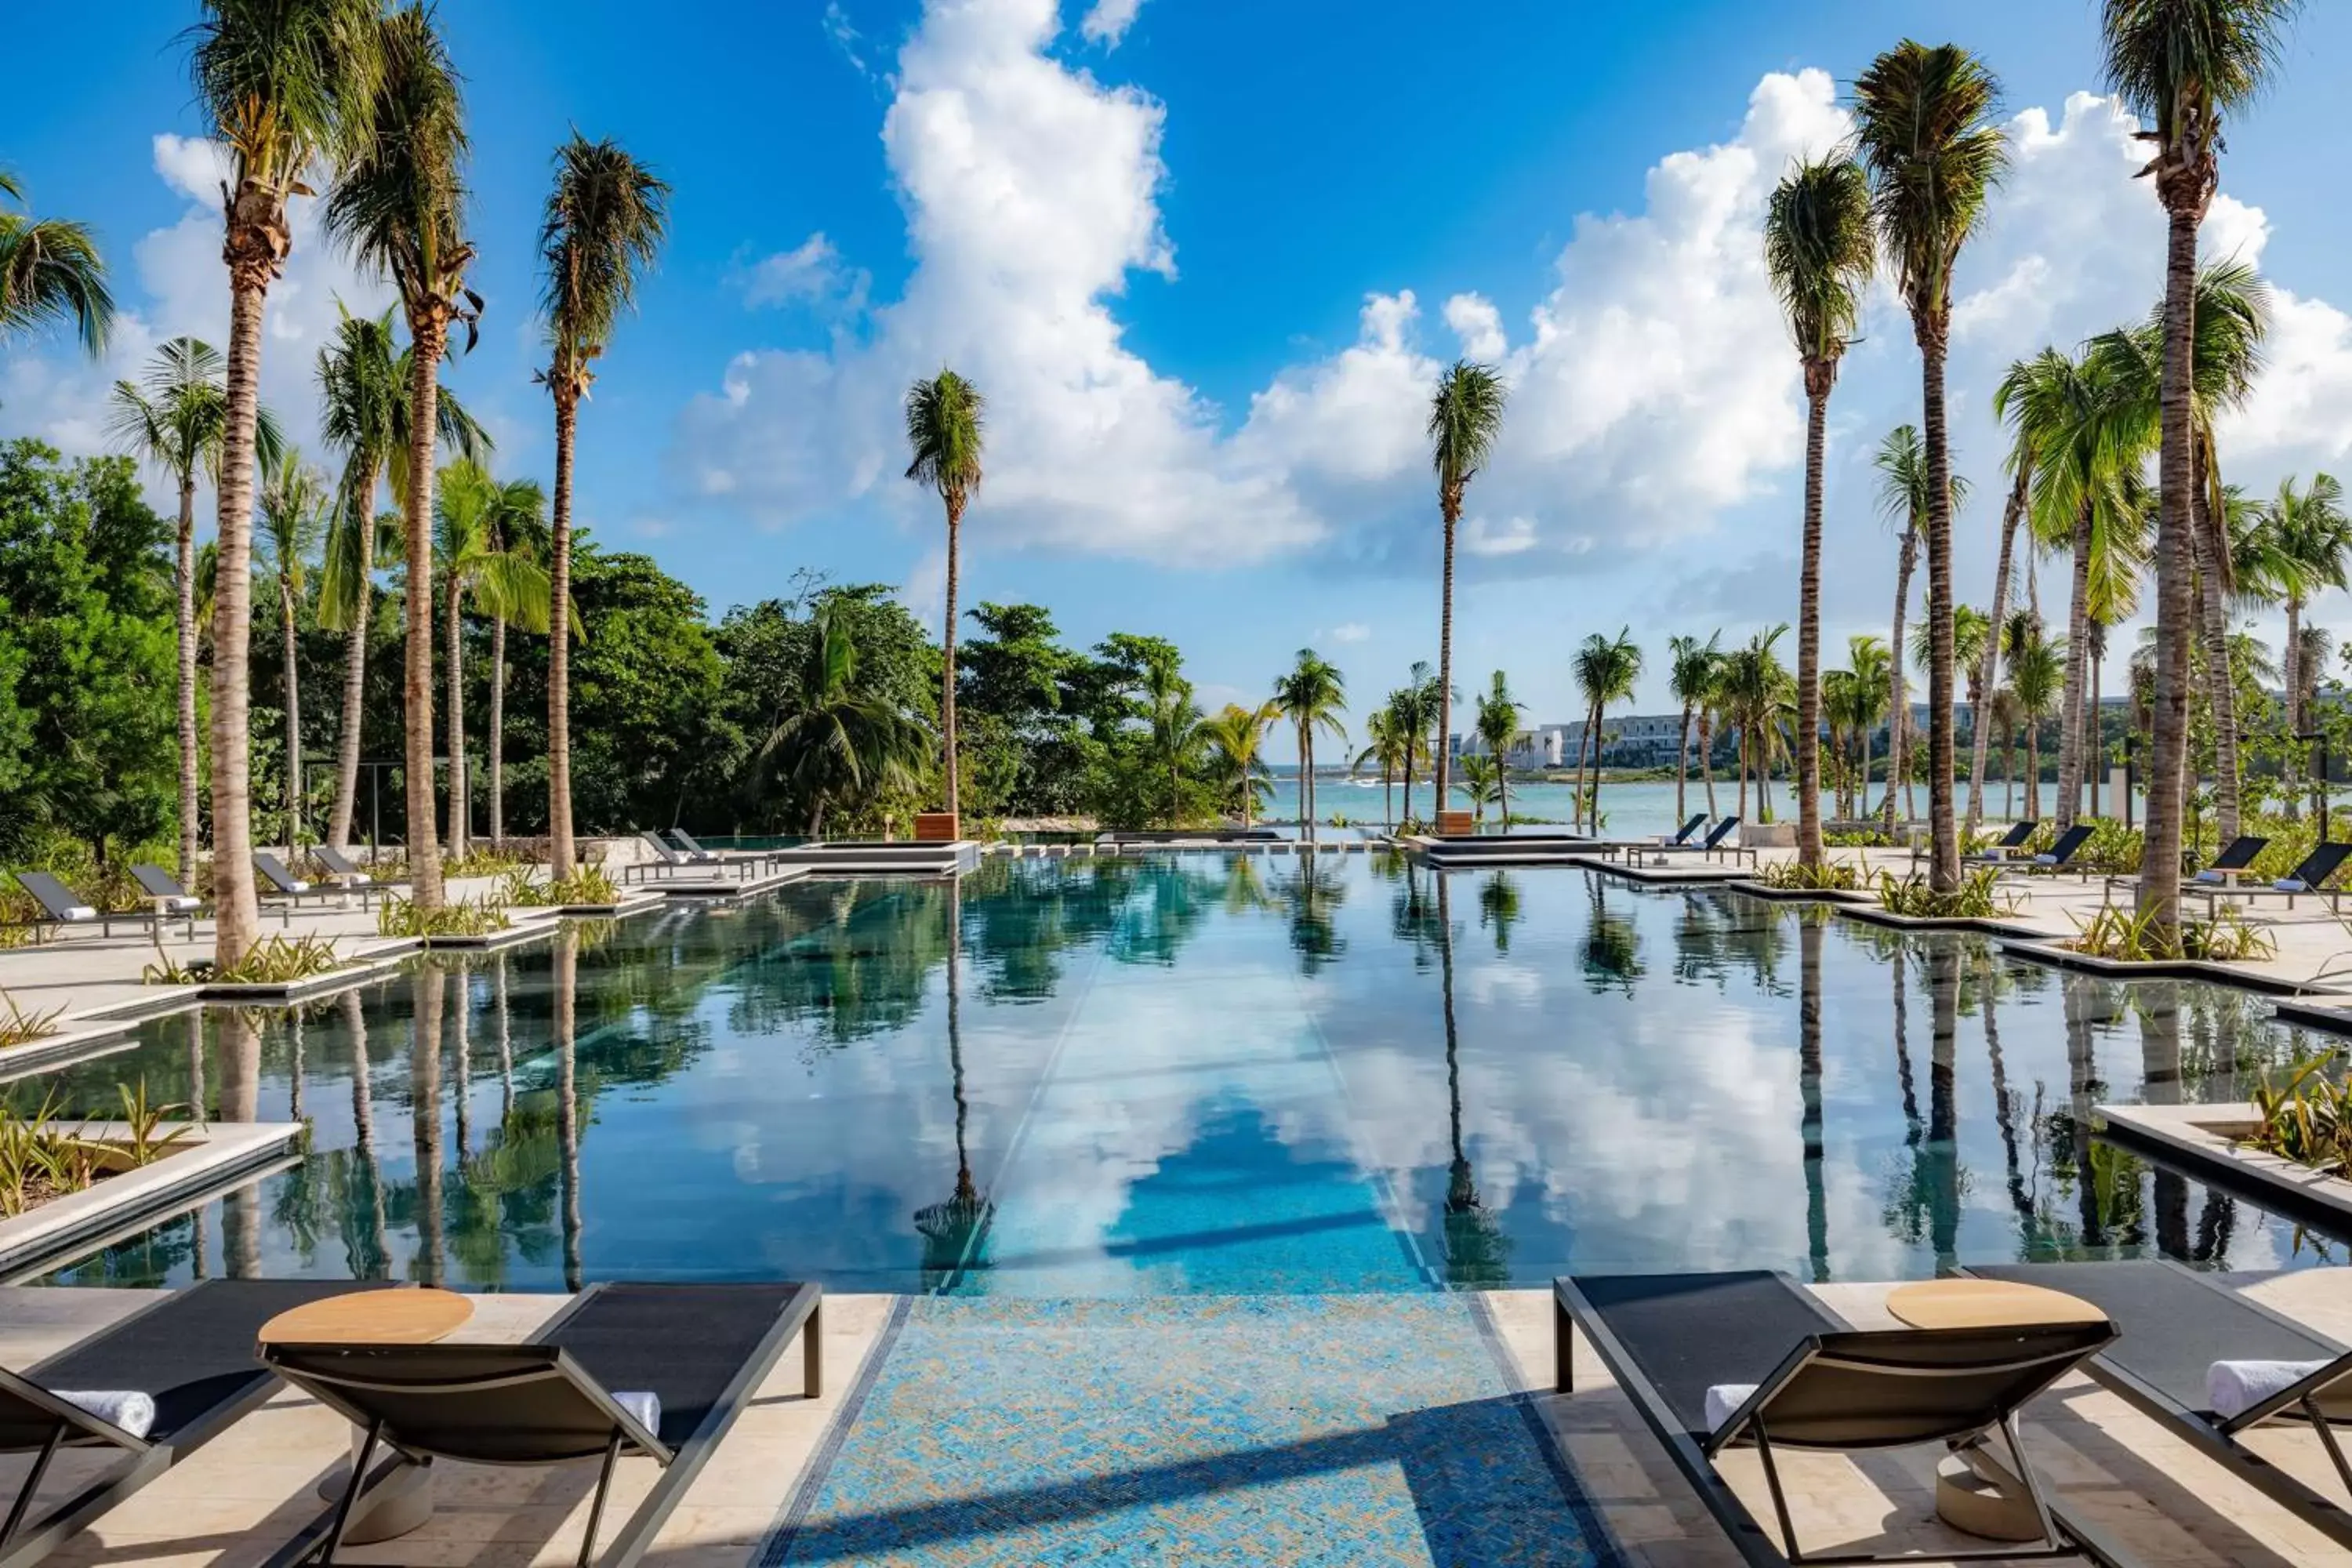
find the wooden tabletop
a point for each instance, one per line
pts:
(401, 1317)
(1985, 1304)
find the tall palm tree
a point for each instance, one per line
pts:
(1413, 709)
(1498, 726)
(944, 417)
(1177, 735)
(837, 741)
(1867, 658)
(1820, 251)
(2028, 401)
(1465, 417)
(400, 207)
(1923, 125)
(475, 519)
(1233, 734)
(176, 417)
(1312, 694)
(50, 274)
(1904, 485)
(294, 505)
(2310, 541)
(1691, 669)
(605, 221)
(1758, 694)
(1969, 631)
(2183, 66)
(1386, 750)
(1606, 670)
(283, 85)
(2036, 679)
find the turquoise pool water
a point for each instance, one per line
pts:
(1202, 1073)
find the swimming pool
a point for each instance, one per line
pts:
(1202, 1072)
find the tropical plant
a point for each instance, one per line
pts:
(1691, 669)
(1866, 660)
(399, 917)
(1977, 896)
(50, 274)
(1759, 698)
(1498, 726)
(1465, 417)
(1413, 709)
(18, 1026)
(175, 417)
(2184, 66)
(1795, 876)
(2010, 405)
(1819, 251)
(588, 885)
(1234, 735)
(294, 506)
(1903, 486)
(2036, 673)
(839, 740)
(1386, 750)
(284, 86)
(944, 432)
(480, 530)
(2309, 539)
(1312, 694)
(1606, 670)
(1176, 735)
(1923, 130)
(144, 1122)
(1481, 784)
(606, 220)
(274, 961)
(2305, 1116)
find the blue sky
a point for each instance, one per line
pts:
(1173, 241)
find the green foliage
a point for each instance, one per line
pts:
(588, 884)
(1864, 838)
(1830, 875)
(1976, 898)
(467, 917)
(2127, 936)
(144, 1120)
(2305, 1117)
(274, 961)
(19, 1027)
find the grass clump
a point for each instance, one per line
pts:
(586, 885)
(1829, 877)
(2305, 1117)
(1975, 898)
(467, 917)
(18, 1027)
(276, 961)
(42, 1157)
(2128, 936)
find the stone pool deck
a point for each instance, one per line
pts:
(1205, 1450)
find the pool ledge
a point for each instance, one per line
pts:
(2206, 1139)
(2041, 950)
(210, 1158)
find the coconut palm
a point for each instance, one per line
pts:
(1312, 694)
(2309, 540)
(1759, 696)
(1690, 675)
(1177, 734)
(50, 274)
(282, 85)
(1385, 751)
(1413, 709)
(1465, 417)
(1606, 672)
(400, 207)
(174, 418)
(1481, 783)
(605, 221)
(1970, 630)
(2183, 66)
(1498, 726)
(1234, 733)
(1923, 126)
(944, 417)
(295, 501)
(1819, 250)
(1867, 658)
(1904, 483)
(837, 741)
(2031, 400)
(363, 413)
(2036, 679)
(478, 552)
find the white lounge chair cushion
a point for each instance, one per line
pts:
(127, 1408)
(644, 1407)
(1723, 1399)
(2234, 1387)
(2292, 885)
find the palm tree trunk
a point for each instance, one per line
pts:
(2034, 768)
(1306, 761)
(428, 335)
(567, 1099)
(1681, 767)
(1809, 1096)
(236, 910)
(293, 714)
(191, 761)
(1861, 778)
(1599, 714)
(947, 669)
(2091, 731)
(1407, 779)
(1706, 758)
(1808, 629)
(497, 737)
(2159, 870)
(2070, 701)
(1943, 837)
(347, 758)
(2222, 689)
(1445, 764)
(454, 672)
(2292, 671)
(559, 641)
(1747, 733)
(1896, 709)
(1989, 673)
(424, 1117)
(1306, 750)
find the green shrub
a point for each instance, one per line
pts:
(587, 885)
(1829, 877)
(1975, 898)
(276, 960)
(401, 917)
(2305, 1117)
(19, 1027)
(2129, 937)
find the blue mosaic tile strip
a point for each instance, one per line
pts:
(1202, 1429)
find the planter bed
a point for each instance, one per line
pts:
(2203, 1141)
(1878, 916)
(1711, 874)
(1840, 896)
(208, 1159)
(2043, 951)
(377, 962)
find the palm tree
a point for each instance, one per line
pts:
(2182, 65)
(2006, 719)
(400, 207)
(476, 524)
(1481, 783)
(363, 413)
(1758, 694)
(2029, 400)
(1177, 733)
(944, 432)
(2036, 679)
(1903, 493)
(837, 740)
(283, 85)
(2310, 545)
(1312, 696)
(176, 417)
(50, 274)
(1234, 735)
(1465, 415)
(1498, 726)
(604, 223)
(1818, 249)
(1412, 709)
(1969, 631)
(1690, 671)
(294, 505)
(1386, 750)
(1606, 670)
(1923, 125)
(1868, 660)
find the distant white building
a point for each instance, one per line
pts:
(1541, 747)
(1630, 741)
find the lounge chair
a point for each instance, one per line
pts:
(171, 902)
(690, 849)
(2307, 877)
(1709, 847)
(61, 906)
(163, 1382)
(660, 1371)
(347, 871)
(664, 860)
(2010, 844)
(2055, 859)
(2180, 1332)
(282, 887)
(1710, 1360)
(1682, 835)
(2230, 865)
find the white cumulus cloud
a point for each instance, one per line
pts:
(1107, 21)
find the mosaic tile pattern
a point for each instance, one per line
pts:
(1204, 1429)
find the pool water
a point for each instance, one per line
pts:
(1202, 1072)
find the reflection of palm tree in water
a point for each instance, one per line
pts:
(1498, 908)
(425, 1116)
(1478, 1252)
(241, 1103)
(1310, 894)
(1613, 949)
(2159, 1049)
(1809, 1090)
(1943, 1152)
(374, 1261)
(2030, 1237)
(567, 1100)
(197, 1261)
(955, 1232)
(506, 1049)
(461, 986)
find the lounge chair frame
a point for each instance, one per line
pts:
(803, 1315)
(2063, 1535)
(2006, 848)
(48, 920)
(276, 886)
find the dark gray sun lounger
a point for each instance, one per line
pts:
(2176, 1325)
(348, 871)
(1708, 846)
(191, 1352)
(660, 1371)
(689, 849)
(2010, 842)
(2221, 874)
(2056, 858)
(279, 885)
(61, 906)
(2308, 877)
(1804, 1378)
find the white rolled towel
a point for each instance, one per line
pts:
(2292, 885)
(643, 1405)
(183, 902)
(127, 1408)
(81, 913)
(1723, 1399)
(2234, 1387)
